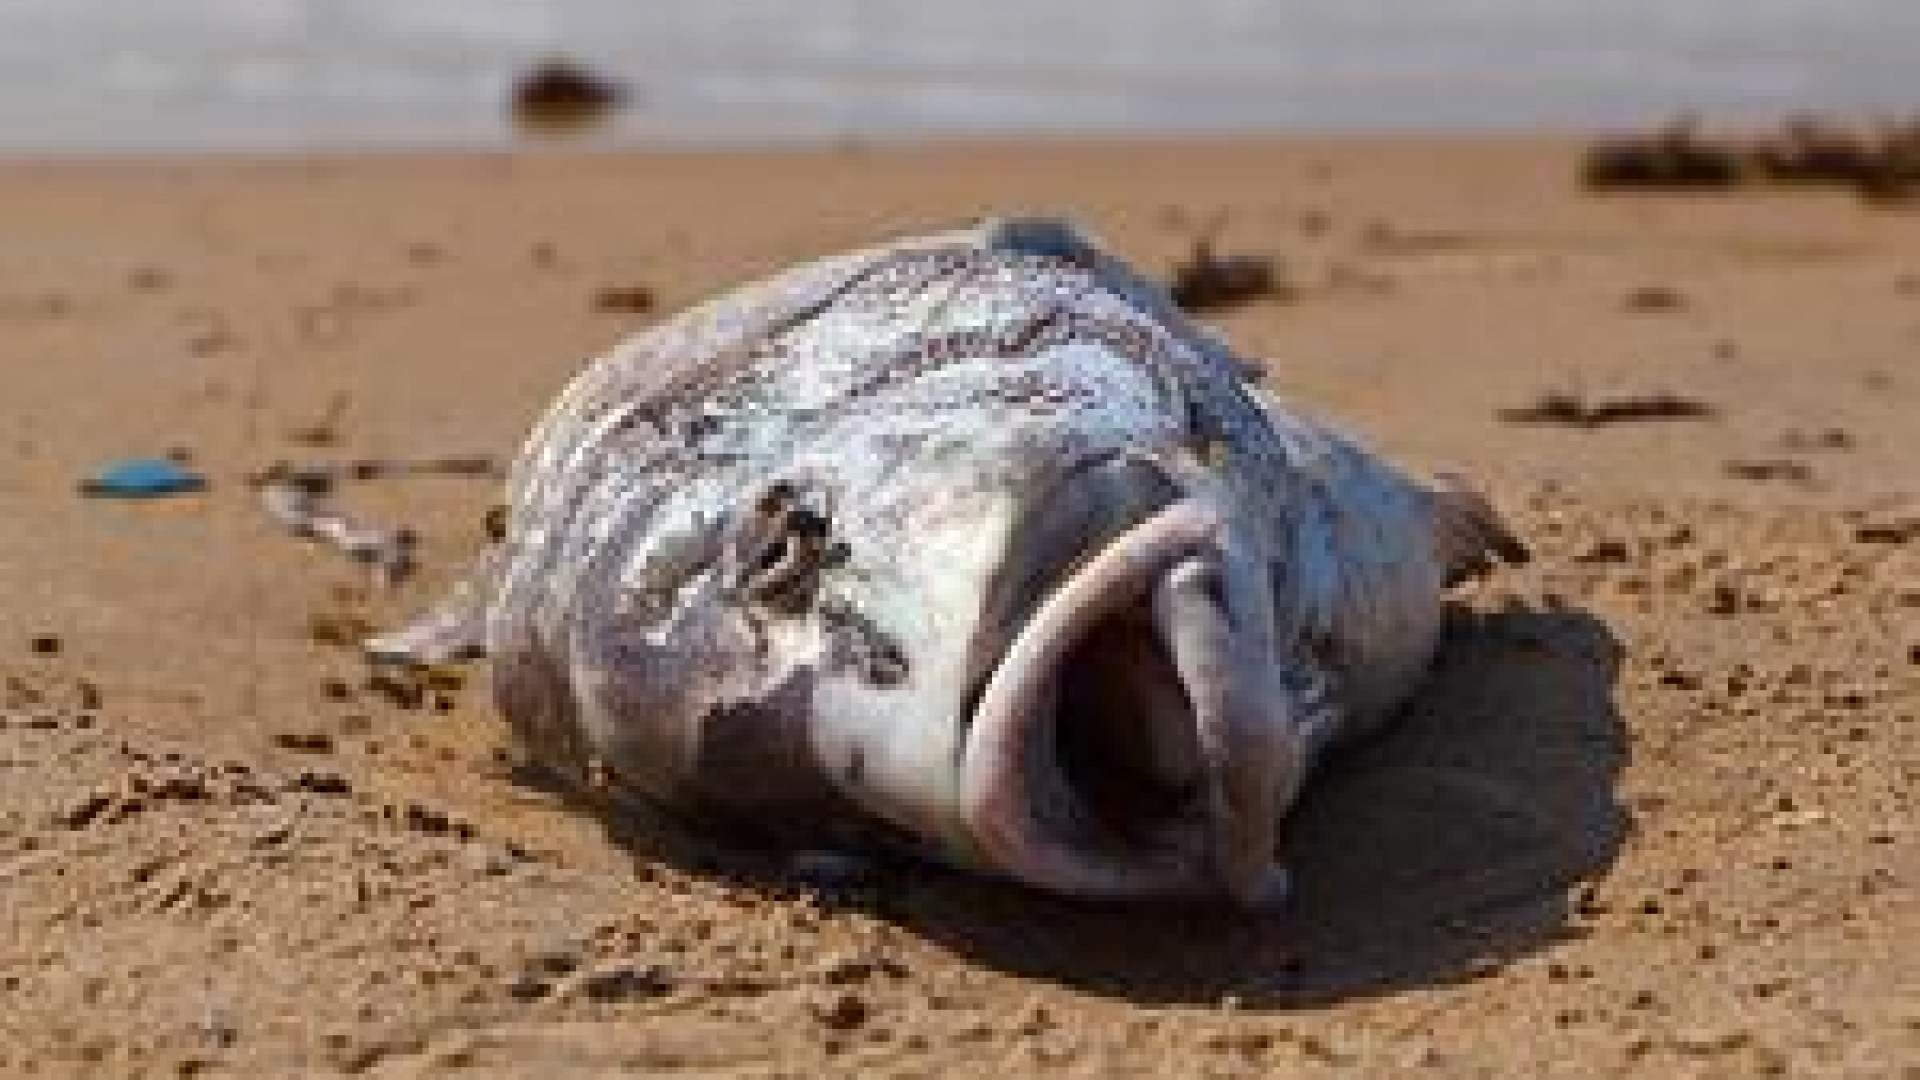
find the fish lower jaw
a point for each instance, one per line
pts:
(1090, 769)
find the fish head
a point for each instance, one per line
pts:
(1058, 670)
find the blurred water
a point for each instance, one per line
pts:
(102, 74)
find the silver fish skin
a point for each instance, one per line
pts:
(970, 543)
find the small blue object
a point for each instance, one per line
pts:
(143, 478)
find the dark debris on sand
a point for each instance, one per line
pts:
(1210, 281)
(624, 299)
(1571, 411)
(1770, 469)
(561, 95)
(1880, 162)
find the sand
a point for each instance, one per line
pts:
(1654, 815)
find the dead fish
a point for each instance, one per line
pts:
(971, 544)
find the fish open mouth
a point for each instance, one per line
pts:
(1123, 745)
(1123, 739)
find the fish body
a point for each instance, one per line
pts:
(970, 543)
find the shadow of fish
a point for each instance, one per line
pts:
(970, 542)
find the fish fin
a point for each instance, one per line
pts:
(1053, 237)
(1468, 533)
(454, 629)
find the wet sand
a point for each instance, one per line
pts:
(1653, 816)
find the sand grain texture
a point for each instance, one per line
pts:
(1654, 815)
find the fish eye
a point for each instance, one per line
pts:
(782, 547)
(807, 524)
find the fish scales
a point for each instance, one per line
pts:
(747, 546)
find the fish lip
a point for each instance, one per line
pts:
(1000, 809)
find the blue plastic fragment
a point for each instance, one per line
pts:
(143, 478)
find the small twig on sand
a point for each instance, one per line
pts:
(1572, 411)
(296, 496)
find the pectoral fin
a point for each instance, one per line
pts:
(1469, 534)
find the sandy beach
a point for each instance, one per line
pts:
(1653, 816)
